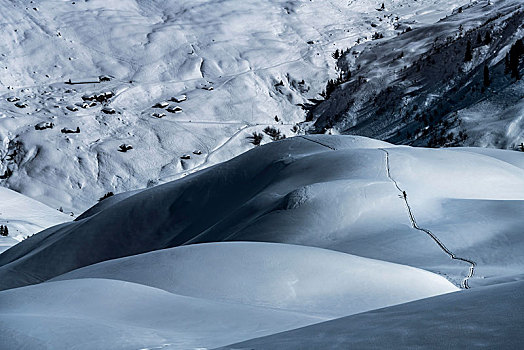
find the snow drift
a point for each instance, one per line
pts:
(293, 278)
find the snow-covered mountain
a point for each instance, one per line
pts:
(454, 82)
(262, 59)
(164, 188)
(382, 213)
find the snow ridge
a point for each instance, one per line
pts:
(404, 196)
(412, 219)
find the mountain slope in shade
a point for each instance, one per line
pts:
(489, 317)
(421, 88)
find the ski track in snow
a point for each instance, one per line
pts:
(403, 195)
(320, 143)
(414, 224)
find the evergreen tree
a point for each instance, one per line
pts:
(107, 195)
(487, 38)
(468, 55)
(487, 81)
(515, 54)
(256, 138)
(506, 64)
(273, 133)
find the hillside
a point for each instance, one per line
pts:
(24, 217)
(450, 83)
(278, 174)
(458, 221)
(205, 295)
(488, 317)
(261, 60)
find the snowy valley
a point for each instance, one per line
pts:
(261, 175)
(261, 60)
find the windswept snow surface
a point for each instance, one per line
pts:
(306, 193)
(206, 295)
(293, 278)
(110, 314)
(152, 51)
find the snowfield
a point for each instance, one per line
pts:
(292, 278)
(484, 318)
(179, 251)
(111, 314)
(186, 174)
(207, 295)
(24, 217)
(261, 59)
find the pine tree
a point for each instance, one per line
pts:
(487, 81)
(256, 138)
(4, 231)
(507, 68)
(515, 54)
(468, 55)
(487, 38)
(105, 196)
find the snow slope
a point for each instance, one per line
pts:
(343, 193)
(324, 191)
(293, 278)
(205, 295)
(485, 318)
(263, 59)
(109, 314)
(418, 88)
(24, 217)
(128, 95)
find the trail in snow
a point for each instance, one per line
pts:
(318, 142)
(413, 221)
(414, 224)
